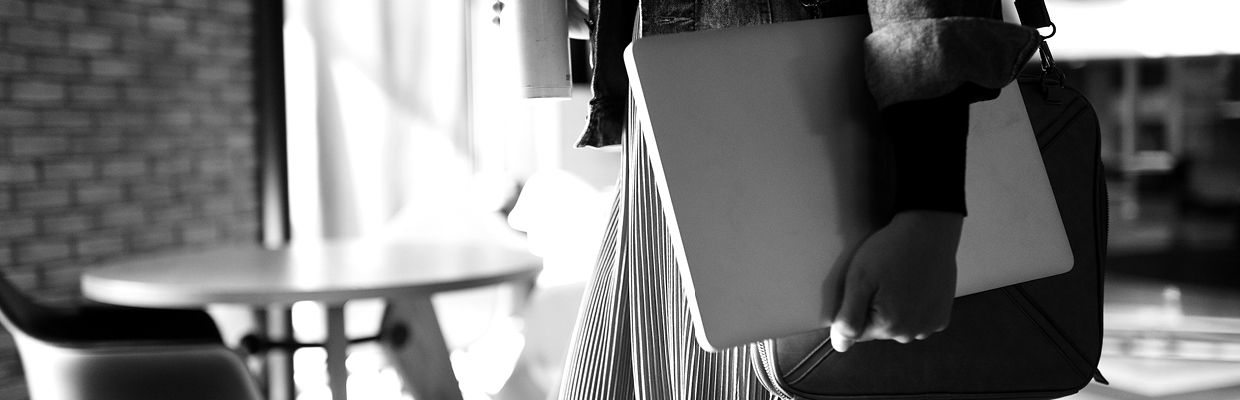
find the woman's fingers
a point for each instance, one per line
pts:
(878, 327)
(578, 18)
(498, 7)
(900, 283)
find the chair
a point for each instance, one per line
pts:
(100, 352)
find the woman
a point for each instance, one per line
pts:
(926, 61)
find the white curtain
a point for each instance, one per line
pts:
(377, 111)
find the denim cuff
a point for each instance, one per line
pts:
(605, 123)
(611, 31)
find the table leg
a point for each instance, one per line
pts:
(415, 346)
(280, 384)
(337, 351)
(256, 358)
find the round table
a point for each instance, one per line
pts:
(405, 274)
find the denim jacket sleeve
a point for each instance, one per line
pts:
(919, 49)
(611, 30)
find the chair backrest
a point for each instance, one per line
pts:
(18, 313)
(81, 325)
(93, 353)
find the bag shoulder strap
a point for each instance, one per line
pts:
(1033, 14)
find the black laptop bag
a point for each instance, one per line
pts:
(1035, 340)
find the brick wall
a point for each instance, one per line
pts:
(126, 127)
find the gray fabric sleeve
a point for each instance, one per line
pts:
(924, 49)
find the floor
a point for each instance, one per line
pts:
(1168, 340)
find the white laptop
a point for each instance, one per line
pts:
(770, 180)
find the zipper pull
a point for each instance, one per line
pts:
(1098, 377)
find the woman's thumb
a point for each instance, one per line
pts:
(850, 320)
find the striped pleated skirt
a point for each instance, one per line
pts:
(633, 337)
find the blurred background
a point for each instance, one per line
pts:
(134, 127)
(1165, 81)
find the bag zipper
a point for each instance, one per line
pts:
(764, 368)
(766, 371)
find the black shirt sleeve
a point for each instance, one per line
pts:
(929, 138)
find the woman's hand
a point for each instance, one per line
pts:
(901, 282)
(578, 18)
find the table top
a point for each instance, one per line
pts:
(331, 272)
